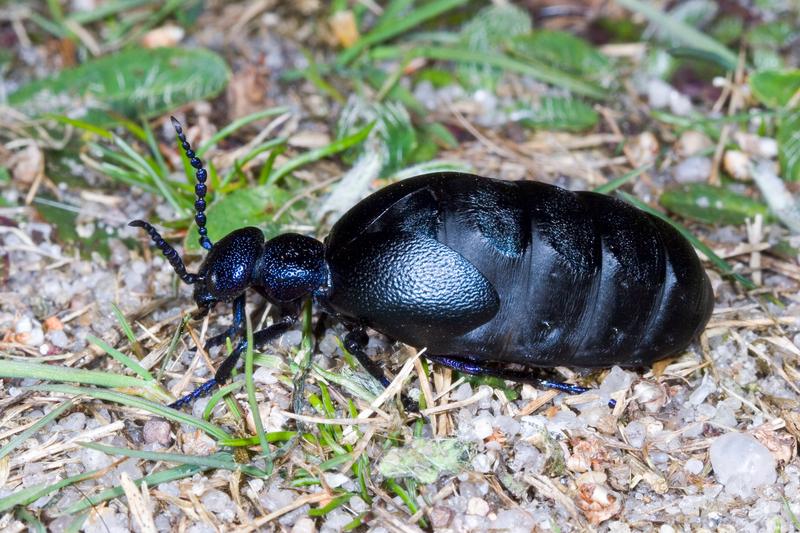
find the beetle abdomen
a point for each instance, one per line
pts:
(582, 279)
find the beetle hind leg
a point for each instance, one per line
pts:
(520, 376)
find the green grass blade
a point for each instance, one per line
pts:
(275, 436)
(148, 170)
(683, 32)
(39, 424)
(21, 370)
(81, 125)
(121, 358)
(716, 260)
(238, 124)
(218, 395)
(536, 70)
(251, 399)
(615, 184)
(336, 146)
(156, 409)
(31, 494)
(386, 30)
(221, 460)
(152, 480)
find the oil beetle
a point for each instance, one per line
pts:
(492, 277)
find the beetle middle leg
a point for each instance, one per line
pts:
(356, 341)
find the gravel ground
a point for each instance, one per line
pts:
(704, 442)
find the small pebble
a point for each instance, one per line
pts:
(692, 170)
(220, 504)
(477, 506)
(693, 466)
(304, 525)
(157, 431)
(742, 463)
(441, 516)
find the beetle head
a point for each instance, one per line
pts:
(227, 270)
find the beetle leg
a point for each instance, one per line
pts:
(224, 371)
(520, 376)
(355, 341)
(236, 328)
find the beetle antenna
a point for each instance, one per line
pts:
(168, 251)
(199, 188)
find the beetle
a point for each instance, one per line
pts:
(492, 277)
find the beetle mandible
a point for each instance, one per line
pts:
(492, 277)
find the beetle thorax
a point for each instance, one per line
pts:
(292, 266)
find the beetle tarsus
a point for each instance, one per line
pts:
(169, 252)
(200, 391)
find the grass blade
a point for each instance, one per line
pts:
(46, 419)
(238, 124)
(388, 30)
(21, 370)
(536, 70)
(336, 146)
(31, 494)
(152, 480)
(221, 460)
(156, 409)
(615, 184)
(683, 32)
(251, 399)
(121, 358)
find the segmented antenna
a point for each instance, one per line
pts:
(199, 188)
(168, 251)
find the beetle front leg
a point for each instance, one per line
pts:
(237, 327)
(224, 371)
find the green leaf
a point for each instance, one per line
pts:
(774, 88)
(789, 145)
(681, 31)
(386, 29)
(563, 50)
(133, 83)
(426, 459)
(534, 69)
(486, 33)
(772, 35)
(712, 205)
(253, 206)
(558, 113)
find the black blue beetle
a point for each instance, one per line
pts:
(492, 277)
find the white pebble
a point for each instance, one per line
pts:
(741, 463)
(463, 392)
(220, 504)
(707, 386)
(477, 506)
(336, 479)
(693, 466)
(482, 427)
(692, 170)
(73, 422)
(304, 525)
